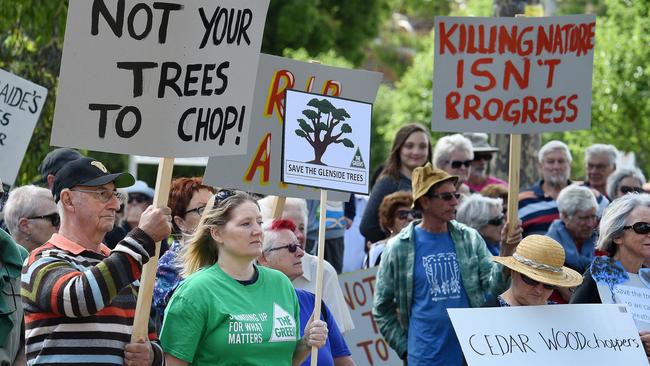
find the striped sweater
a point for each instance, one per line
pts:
(79, 304)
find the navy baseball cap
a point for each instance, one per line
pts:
(55, 160)
(87, 172)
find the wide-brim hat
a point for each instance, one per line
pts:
(141, 187)
(480, 142)
(424, 177)
(87, 172)
(542, 259)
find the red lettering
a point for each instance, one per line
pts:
(507, 40)
(262, 160)
(372, 321)
(486, 109)
(460, 68)
(365, 345)
(371, 283)
(462, 38)
(383, 353)
(529, 108)
(590, 36)
(358, 286)
(492, 82)
(451, 101)
(310, 84)
(551, 70)
(481, 40)
(471, 47)
(521, 41)
(471, 106)
(572, 107)
(445, 38)
(510, 115)
(544, 40)
(559, 107)
(282, 80)
(332, 88)
(511, 70)
(348, 297)
(545, 110)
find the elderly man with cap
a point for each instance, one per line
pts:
(53, 161)
(483, 152)
(537, 268)
(80, 297)
(434, 264)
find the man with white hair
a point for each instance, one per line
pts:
(600, 162)
(31, 216)
(537, 203)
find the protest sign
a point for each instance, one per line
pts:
(365, 342)
(259, 169)
(637, 300)
(326, 142)
(589, 334)
(159, 78)
(513, 75)
(21, 103)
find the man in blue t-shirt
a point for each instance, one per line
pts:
(434, 264)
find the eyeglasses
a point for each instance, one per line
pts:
(292, 248)
(630, 189)
(446, 196)
(54, 218)
(198, 210)
(641, 228)
(497, 221)
(531, 282)
(404, 214)
(456, 164)
(485, 157)
(104, 195)
(138, 198)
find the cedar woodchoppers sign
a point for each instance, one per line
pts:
(513, 75)
(165, 79)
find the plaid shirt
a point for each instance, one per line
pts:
(394, 289)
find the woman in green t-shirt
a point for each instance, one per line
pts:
(228, 311)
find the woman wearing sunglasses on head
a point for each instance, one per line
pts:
(454, 154)
(395, 213)
(624, 181)
(228, 310)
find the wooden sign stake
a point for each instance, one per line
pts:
(513, 181)
(319, 267)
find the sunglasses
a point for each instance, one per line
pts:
(404, 214)
(497, 221)
(641, 228)
(629, 189)
(446, 196)
(139, 198)
(54, 218)
(198, 210)
(292, 248)
(484, 157)
(456, 164)
(531, 282)
(104, 195)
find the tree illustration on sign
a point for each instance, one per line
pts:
(319, 131)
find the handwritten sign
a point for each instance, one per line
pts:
(259, 169)
(365, 342)
(548, 335)
(21, 103)
(638, 303)
(326, 142)
(167, 79)
(513, 75)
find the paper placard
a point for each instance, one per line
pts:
(591, 334)
(513, 75)
(21, 103)
(259, 169)
(638, 304)
(167, 79)
(365, 342)
(326, 142)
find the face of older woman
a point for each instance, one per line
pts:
(403, 215)
(627, 185)
(581, 225)
(459, 164)
(241, 237)
(631, 244)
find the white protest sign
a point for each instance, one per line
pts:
(259, 169)
(167, 79)
(21, 103)
(326, 142)
(513, 75)
(365, 342)
(638, 304)
(591, 334)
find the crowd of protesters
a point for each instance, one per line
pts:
(236, 285)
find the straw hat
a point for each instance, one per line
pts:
(424, 177)
(541, 258)
(480, 142)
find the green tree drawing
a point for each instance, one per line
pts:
(325, 119)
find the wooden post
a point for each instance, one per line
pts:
(278, 206)
(319, 267)
(513, 181)
(145, 293)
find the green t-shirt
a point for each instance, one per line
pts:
(214, 320)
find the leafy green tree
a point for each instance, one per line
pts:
(325, 119)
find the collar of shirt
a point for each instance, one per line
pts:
(68, 245)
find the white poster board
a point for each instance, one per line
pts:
(259, 169)
(167, 79)
(637, 300)
(365, 342)
(326, 142)
(513, 75)
(590, 334)
(21, 103)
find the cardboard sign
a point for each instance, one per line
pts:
(167, 79)
(637, 300)
(259, 169)
(326, 142)
(365, 342)
(21, 103)
(513, 75)
(548, 335)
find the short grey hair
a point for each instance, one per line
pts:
(602, 149)
(575, 198)
(552, 146)
(24, 201)
(615, 218)
(266, 208)
(476, 210)
(447, 144)
(271, 236)
(615, 179)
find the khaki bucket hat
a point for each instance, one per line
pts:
(424, 177)
(542, 259)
